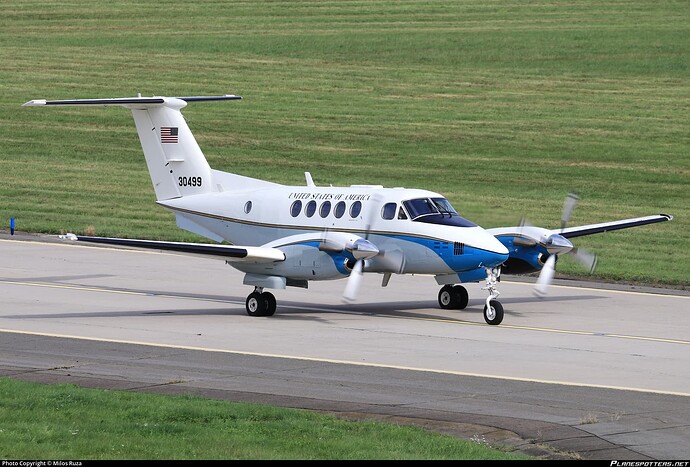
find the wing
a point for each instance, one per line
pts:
(590, 229)
(247, 254)
(531, 247)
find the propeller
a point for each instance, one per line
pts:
(556, 244)
(568, 207)
(362, 249)
(545, 276)
(353, 283)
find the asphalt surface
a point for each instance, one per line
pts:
(588, 373)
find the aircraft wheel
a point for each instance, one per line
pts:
(270, 302)
(463, 296)
(256, 304)
(453, 297)
(494, 313)
(447, 298)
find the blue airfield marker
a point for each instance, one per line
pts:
(12, 226)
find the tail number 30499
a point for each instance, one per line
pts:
(189, 181)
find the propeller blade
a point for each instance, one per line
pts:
(327, 244)
(362, 249)
(353, 282)
(545, 277)
(392, 260)
(587, 259)
(570, 202)
(524, 222)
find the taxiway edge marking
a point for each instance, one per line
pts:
(345, 362)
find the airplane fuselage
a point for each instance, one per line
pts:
(410, 240)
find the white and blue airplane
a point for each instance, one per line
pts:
(281, 236)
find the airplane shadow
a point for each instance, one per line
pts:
(129, 313)
(405, 309)
(61, 280)
(287, 309)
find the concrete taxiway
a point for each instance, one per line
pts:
(588, 372)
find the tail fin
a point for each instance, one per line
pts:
(175, 162)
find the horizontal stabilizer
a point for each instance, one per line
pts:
(248, 254)
(130, 102)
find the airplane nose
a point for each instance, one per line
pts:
(496, 253)
(493, 258)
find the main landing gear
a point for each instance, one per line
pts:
(455, 297)
(260, 303)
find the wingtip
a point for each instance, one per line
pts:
(34, 102)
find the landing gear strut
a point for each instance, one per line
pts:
(260, 303)
(493, 310)
(454, 297)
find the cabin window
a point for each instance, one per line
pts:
(296, 208)
(247, 207)
(325, 209)
(310, 209)
(355, 209)
(339, 209)
(388, 211)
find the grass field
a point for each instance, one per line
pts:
(504, 107)
(66, 422)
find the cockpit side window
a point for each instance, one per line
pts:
(401, 214)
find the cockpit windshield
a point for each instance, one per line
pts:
(420, 207)
(435, 211)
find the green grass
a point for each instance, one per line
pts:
(67, 422)
(504, 107)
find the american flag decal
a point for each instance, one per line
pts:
(169, 134)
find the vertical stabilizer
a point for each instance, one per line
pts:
(176, 164)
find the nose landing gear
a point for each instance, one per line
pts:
(454, 297)
(493, 310)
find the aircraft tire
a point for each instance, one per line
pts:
(447, 298)
(255, 304)
(462, 295)
(493, 316)
(270, 303)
